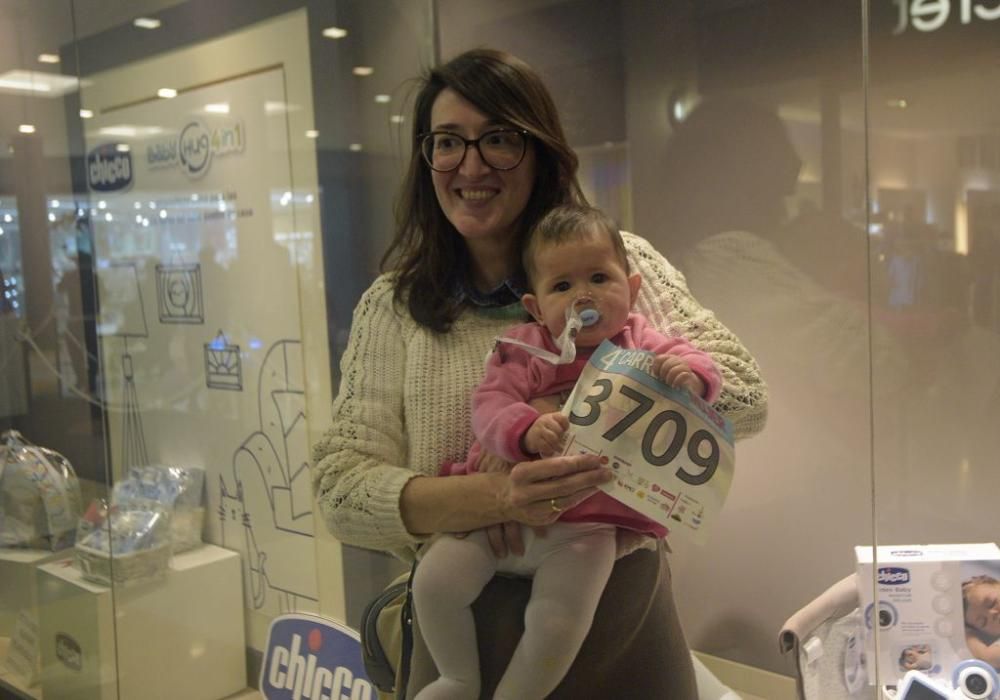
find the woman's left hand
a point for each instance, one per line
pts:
(504, 538)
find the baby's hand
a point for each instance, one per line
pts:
(676, 372)
(545, 436)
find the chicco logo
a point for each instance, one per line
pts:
(109, 169)
(893, 576)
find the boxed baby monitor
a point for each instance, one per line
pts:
(926, 615)
(39, 496)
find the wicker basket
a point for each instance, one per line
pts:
(122, 569)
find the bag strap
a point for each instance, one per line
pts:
(403, 677)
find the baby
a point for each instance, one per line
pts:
(981, 603)
(575, 259)
(916, 657)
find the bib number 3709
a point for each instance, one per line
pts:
(698, 440)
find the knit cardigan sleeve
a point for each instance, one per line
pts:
(359, 465)
(666, 301)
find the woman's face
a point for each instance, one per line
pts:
(983, 609)
(482, 203)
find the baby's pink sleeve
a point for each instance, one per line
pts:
(500, 411)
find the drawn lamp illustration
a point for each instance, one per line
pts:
(122, 315)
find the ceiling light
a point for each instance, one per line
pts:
(47, 84)
(218, 108)
(129, 131)
(383, 99)
(26, 128)
(274, 107)
(312, 134)
(123, 148)
(896, 104)
(355, 147)
(166, 93)
(86, 114)
(397, 118)
(334, 32)
(48, 58)
(363, 70)
(146, 23)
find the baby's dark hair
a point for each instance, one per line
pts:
(570, 222)
(971, 583)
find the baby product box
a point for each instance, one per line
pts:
(934, 608)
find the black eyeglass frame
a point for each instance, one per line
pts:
(421, 138)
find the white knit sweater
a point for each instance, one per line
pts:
(403, 407)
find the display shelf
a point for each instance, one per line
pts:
(182, 637)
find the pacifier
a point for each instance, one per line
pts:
(587, 313)
(590, 316)
(579, 314)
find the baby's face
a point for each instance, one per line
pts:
(917, 657)
(587, 273)
(983, 608)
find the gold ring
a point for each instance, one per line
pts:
(556, 508)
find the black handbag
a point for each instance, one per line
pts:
(387, 638)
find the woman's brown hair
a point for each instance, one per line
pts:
(427, 254)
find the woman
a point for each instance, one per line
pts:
(489, 160)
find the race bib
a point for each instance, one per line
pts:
(671, 452)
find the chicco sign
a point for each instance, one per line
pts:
(931, 15)
(109, 169)
(313, 658)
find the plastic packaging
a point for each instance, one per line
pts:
(178, 490)
(39, 496)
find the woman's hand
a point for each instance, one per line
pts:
(536, 492)
(533, 493)
(504, 538)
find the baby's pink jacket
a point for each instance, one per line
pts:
(501, 414)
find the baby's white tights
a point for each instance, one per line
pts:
(571, 565)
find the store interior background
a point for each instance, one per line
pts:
(865, 277)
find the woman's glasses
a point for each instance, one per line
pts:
(501, 149)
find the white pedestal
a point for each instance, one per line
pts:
(178, 638)
(17, 582)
